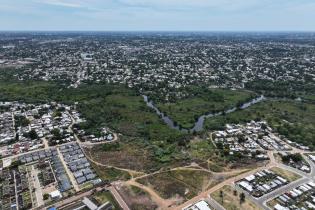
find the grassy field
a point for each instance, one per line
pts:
(293, 119)
(231, 201)
(186, 111)
(130, 156)
(288, 175)
(185, 183)
(137, 155)
(110, 173)
(201, 149)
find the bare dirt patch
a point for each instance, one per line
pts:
(182, 184)
(136, 198)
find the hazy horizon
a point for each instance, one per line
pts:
(162, 15)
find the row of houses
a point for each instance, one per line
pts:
(301, 197)
(25, 126)
(15, 191)
(50, 155)
(77, 163)
(261, 182)
(299, 163)
(7, 132)
(104, 135)
(249, 137)
(20, 147)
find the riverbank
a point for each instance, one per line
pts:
(199, 123)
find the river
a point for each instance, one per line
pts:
(198, 126)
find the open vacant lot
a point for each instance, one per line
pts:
(230, 199)
(288, 175)
(136, 198)
(181, 183)
(134, 156)
(110, 173)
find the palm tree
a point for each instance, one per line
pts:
(242, 198)
(221, 196)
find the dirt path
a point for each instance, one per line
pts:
(161, 202)
(167, 203)
(46, 146)
(217, 187)
(237, 171)
(229, 181)
(89, 157)
(272, 159)
(211, 139)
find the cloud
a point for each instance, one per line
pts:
(157, 14)
(61, 3)
(222, 5)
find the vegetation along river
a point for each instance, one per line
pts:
(198, 126)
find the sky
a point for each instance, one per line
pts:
(158, 15)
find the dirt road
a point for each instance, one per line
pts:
(161, 202)
(118, 198)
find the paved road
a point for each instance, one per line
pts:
(214, 204)
(35, 150)
(262, 200)
(251, 198)
(70, 175)
(229, 181)
(70, 199)
(306, 177)
(312, 165)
